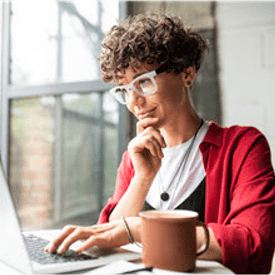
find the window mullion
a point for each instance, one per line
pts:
(101, 182)
(56, 89)
(59, 59)
(57, 186)
(5, 80)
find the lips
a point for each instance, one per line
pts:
(144, 114)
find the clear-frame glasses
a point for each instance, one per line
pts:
(143, 85)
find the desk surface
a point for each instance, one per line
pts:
(202, 267)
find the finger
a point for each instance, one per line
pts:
(145, 123)
(158, 136)
(157, 149)
(156, 133)
(92, 241)
(83, 233)
(145, 141)
(108, 239)
(114, 236)
(55, 243)
(153, 146)
(78, 234)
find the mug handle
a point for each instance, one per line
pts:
(204, 246)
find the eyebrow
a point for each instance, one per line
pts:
(139, 74)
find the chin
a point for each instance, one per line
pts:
(159, 125)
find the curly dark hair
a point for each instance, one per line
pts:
(151, 39)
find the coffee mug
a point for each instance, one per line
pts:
(169, 239)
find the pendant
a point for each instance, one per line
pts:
(165, 196)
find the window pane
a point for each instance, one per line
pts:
(110, 107)
(81, 171)
(31, 161)
(63, 149)
(111, 141)
(55, 41)
(87, 153)
(34, 47)
(1, 34)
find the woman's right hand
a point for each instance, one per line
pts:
(107, 235)
(146, 149)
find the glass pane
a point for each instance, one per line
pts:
(1, 34)
(31, 161)
(34, 42)
(80, 169)
(87, 155)
(55, 41)
(110, 106)
(111, 141)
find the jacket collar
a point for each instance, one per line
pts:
(214, 135)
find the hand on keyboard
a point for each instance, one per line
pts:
(108, 235)
(35, 246)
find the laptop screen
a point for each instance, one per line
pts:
(12, 248)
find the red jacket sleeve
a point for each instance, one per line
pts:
(124, 176)
(244, 225)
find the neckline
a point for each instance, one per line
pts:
(183, 146)
(164, 196)
(178, 148)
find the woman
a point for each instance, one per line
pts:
(177, 160)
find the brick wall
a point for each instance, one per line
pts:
(31, 162)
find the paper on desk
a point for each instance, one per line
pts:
(116, 268)
(133, 247)
(124, 266)
(202, 267)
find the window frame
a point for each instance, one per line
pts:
(11, 92)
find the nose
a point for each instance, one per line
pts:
(134, 99)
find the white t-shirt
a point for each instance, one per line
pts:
(183, 184)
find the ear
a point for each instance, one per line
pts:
(189, 76)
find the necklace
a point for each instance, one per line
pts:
(164, 196)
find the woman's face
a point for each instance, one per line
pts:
(165, 104)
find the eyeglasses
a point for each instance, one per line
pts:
(143, 85)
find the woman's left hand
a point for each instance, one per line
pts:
(108, 235)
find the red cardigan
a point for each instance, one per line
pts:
(240, 195)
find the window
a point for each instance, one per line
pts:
(62, 133)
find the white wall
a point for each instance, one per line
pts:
(247, 58)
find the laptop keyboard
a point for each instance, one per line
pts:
(36, 245)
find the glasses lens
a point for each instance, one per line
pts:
(145, 85)
(120, 94)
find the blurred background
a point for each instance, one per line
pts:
(62, 134)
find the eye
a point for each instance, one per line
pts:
(146, 86)
(144, 82)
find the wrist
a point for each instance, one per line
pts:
(134, 224)
(200, 237)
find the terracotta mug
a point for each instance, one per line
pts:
(169, 239)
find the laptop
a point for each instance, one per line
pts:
(17, 251)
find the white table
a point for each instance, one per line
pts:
(202, 266)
